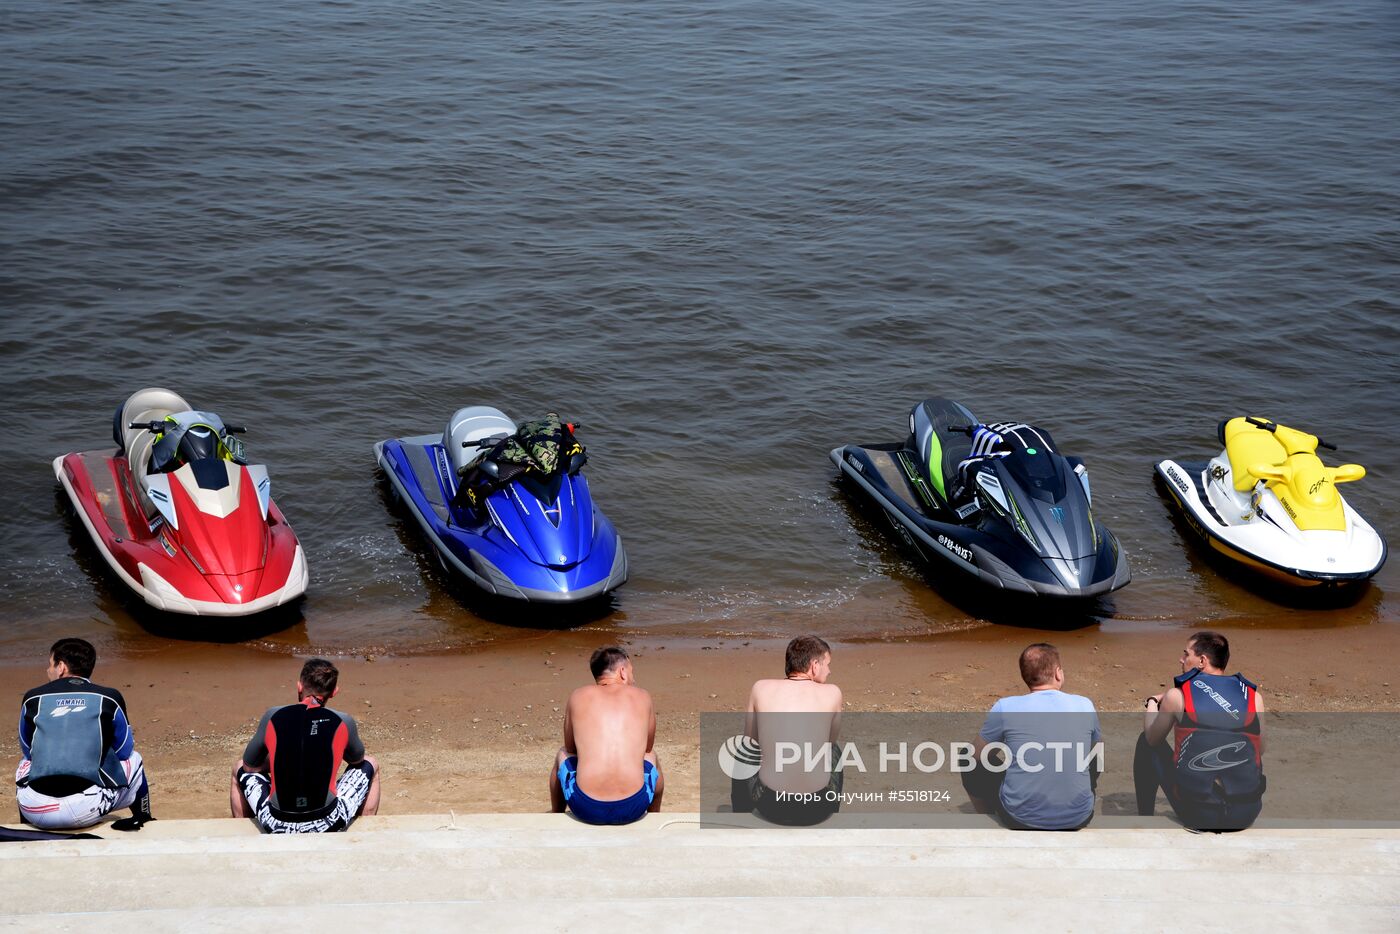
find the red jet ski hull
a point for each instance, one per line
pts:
(159, 564)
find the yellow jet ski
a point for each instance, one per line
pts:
(1270, 503)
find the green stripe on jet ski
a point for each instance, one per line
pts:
(911, 471)
(935, 463)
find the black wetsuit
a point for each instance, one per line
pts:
(303, 745)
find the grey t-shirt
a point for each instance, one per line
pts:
(1044, 786)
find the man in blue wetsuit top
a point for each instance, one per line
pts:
(79, 757)
(607, 771)
(286, 780)
(1212, 770)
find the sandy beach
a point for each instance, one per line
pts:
(476, 731)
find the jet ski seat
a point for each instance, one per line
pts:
(939, 449)
(1248, 445)
(146, 405)
(470, 424)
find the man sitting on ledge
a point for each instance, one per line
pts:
(1202, 742)
(79, 759)
(1048, 733)
(607, 772)
(286, 779)
(801, 711)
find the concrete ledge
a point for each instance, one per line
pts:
(547, 871)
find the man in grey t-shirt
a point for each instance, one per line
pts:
(1048, 740)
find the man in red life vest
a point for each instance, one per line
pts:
(1212, 769)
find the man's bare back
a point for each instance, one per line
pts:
(607, 772)
(792, 695)
(801, 708)
(611, 728)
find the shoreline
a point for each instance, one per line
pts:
(447, 617)
(475, 731)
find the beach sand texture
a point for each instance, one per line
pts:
(476, 732)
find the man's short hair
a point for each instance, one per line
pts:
(318, 678)
(77, 654)
(1038, 664)
(606, 659)
(1213, 646)
(804, 650)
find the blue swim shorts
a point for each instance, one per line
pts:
(592, 811)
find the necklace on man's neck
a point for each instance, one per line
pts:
(799, 677)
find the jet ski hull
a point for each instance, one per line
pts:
(1263, 547)
(485, 554)
(155, 566)
(997, 561)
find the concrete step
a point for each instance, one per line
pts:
(452, 870)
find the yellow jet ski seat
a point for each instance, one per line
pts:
(1287, 459)
(1248, 445)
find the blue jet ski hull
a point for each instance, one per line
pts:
(581, 558)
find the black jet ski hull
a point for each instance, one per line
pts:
(1005, 565)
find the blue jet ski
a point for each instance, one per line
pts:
(507, 507)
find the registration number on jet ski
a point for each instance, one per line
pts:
(955, 548)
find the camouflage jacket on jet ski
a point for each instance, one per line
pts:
(539, 448)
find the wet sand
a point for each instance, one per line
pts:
(476, 732)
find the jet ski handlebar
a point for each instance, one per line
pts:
(1274, 426)
(158, 425)
(491, 440)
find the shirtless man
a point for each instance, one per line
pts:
(804, 709)
(607, 772)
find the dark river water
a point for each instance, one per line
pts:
(722, 236)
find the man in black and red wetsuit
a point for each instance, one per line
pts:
(1212, 770)
(286, 779)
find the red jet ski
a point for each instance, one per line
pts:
(180, 515)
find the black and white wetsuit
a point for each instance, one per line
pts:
(301, 746)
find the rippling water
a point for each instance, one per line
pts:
(725, 237)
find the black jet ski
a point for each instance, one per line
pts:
(1019, 521)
